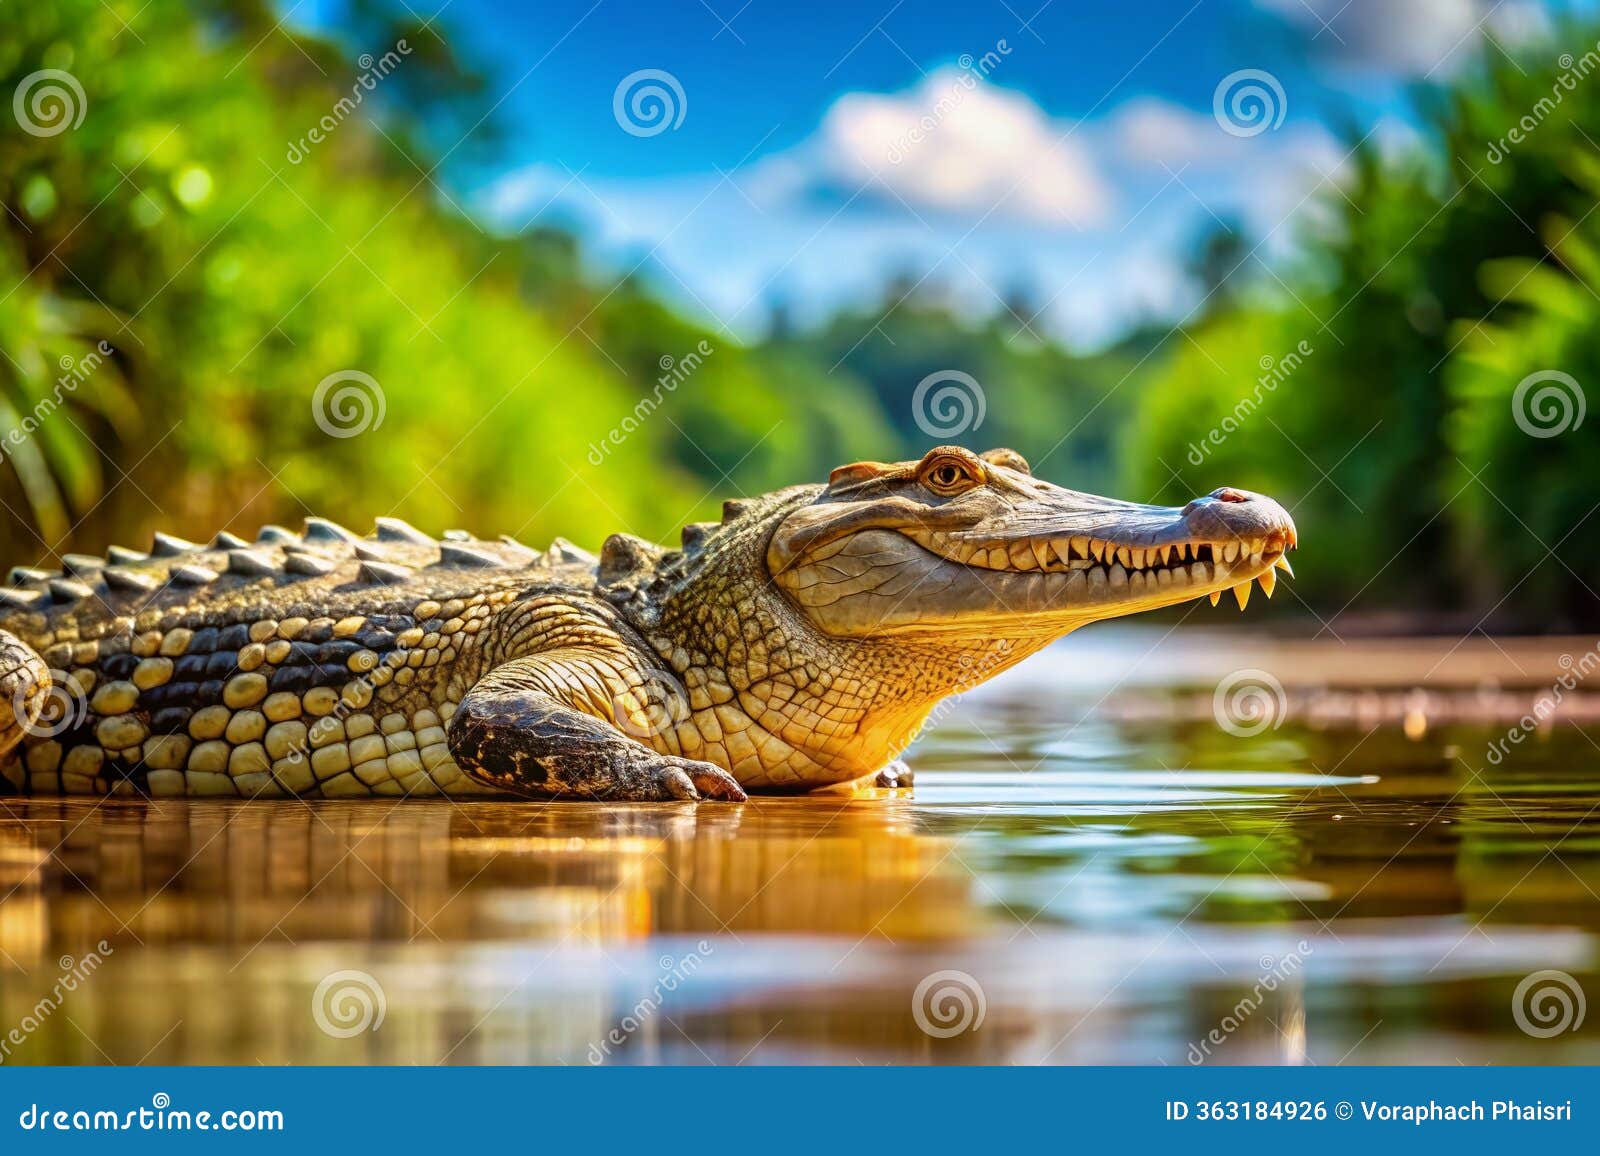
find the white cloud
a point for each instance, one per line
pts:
(956, 143)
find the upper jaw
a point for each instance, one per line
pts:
(1121, 557)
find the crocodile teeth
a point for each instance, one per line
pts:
(118, 578)
(1242, 593)
(168, 546)
(250, 562)
(1283, 564)
(1079, 546)
(1123, 555)
(67, 590)
(193, 575)
(1230, 552)
(322, 530)
(1216, 597)
(308, 563)
(384, 573)
(1268, 580)
(22, 599)
(122, 556)
(396, 530)
(1098, 550)
(451, 554)
(227, 541)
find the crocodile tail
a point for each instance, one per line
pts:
(24, 689)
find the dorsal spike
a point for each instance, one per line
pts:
(277, 534)
(371, 552)
(253, 563)
(734, 508)
(523, 553)
(383, 573)
(122, 556)
(696, 533)
(624, 555)
(322, 530)
(227, 541)
(22, 599)
(82, 565)
(170, 546)
(396, 530)
(193, 575)
(26, 575)
(457, 536)
(453, 554)
(564, 551)
(305, 562)
(118, 578)
(68, 590)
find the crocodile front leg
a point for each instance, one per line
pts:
(536, 726)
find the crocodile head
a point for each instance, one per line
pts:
(969, 546)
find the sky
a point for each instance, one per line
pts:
(740, 154)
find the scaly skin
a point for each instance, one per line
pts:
(799, 643)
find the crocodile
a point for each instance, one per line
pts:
(799, 643)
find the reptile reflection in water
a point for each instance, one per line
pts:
(220, 919)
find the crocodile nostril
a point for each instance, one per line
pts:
(1229, 494)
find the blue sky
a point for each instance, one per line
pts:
(813, 150)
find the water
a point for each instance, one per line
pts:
(1065, 887)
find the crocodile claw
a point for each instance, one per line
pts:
(695, 780)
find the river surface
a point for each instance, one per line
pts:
(1068, 883)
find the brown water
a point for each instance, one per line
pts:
(1106, 892)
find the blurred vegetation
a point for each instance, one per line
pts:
(230, 264)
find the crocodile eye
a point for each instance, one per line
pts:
(950, 476)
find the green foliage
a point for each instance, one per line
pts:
(1444, 276)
